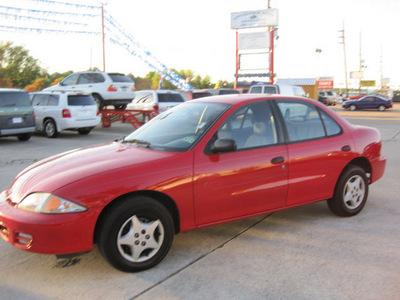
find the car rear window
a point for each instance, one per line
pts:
(78, 100)
(8, 99)
(120, 78)
(170, 98)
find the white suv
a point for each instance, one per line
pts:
(57, 110)
(106, 88)
(159, 100)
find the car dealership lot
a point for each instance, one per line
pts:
(300, 253)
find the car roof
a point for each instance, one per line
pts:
(11, 90)
(245, 98)
(76, 92)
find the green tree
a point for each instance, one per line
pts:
(17, 66)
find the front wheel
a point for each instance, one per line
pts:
(353, 107)
(351, 192)
(136, 234)
(381, 107)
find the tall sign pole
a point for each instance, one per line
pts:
(102, 37)
(237, 59)
(271, 56)
(255, 42)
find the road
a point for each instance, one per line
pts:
(300, 253)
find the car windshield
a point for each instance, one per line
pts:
(78, 100)
(8, 99)
(179, 128)
(120, 78)
(170, 97)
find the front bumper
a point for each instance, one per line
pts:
(47, 233)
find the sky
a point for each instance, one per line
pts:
(197, 35)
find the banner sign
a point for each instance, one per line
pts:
(257, 18)
(367, 83)
(324, 84)
(253, 40)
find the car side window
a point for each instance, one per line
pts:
(53, 100)
(251, 126)
(302, 120)
(70, 80)
(332, 128)
(84, 78)
(97, 78)
(40, 100)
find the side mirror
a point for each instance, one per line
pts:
(223, 145)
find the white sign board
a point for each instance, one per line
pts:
(253, 40)
(256, 18)
(356, 75)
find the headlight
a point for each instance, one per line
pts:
(49, 204)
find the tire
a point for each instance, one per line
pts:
(50, 129)
(99, 101)
(136, 234)
(351, 192)
(381, 107)
(120, 106)
(85, 131)
(24, 137)
(353, 107)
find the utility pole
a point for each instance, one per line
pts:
(342, 37)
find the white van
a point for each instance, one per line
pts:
(287, 90)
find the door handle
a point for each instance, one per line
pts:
(346, 148)
(278, 160)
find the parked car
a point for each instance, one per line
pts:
(194, 94)
(106, 88)
(158, 100)
(222, 91)
(204, 162)
(368, 102)
(16, 114)
(358, 96)
(330, 97)
(287, 90)
(57, 111)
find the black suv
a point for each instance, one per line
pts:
(16, 114)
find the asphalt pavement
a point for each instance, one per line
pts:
(299, 253)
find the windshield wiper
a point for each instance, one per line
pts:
(139, 143)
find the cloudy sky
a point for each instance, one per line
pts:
(197, 35)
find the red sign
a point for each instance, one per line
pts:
(325, 84)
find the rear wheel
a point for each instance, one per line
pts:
(351, 192)
(50, 129)
(99, 101)
(381, 107)
(136, 234)
(85, 131)
(24, 136)
(120, 106)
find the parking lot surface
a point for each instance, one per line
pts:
(300, 253)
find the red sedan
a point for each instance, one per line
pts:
(204, 162)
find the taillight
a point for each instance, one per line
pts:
(34, 116)
(112, 89)
(133, 89)
(66, 113)
(155, 107)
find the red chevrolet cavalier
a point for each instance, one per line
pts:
(204, 162)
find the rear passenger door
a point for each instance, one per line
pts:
(316, 144)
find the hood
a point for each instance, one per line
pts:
(57, 171)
